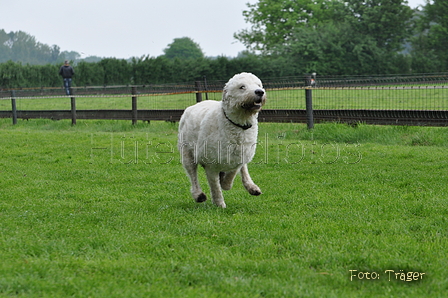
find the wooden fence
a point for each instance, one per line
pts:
(301, 91)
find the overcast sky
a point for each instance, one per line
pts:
(131, 28)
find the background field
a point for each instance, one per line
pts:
(103, 209)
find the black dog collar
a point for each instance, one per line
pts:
(244, 127)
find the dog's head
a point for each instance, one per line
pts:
(244, 91)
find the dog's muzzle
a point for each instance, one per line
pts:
(259, 92)
(257, 103)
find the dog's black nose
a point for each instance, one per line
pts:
(259, 92)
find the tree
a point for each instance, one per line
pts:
(273, 21)
(20, 46)
(338, 49)
(5, 49)
(55, 53)
(70, 56)
(386, 21)
(431, 40)
(183, 48)
(315, 33)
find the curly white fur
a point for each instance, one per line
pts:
(222, 136)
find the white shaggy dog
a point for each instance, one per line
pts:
(221, 136)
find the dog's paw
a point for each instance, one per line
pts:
(221, 204)
(254, 190)
(201, 198)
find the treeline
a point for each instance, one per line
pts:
(160, 70)
(140, 71)
(20, 46)
(23, 47)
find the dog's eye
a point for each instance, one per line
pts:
(243, 87)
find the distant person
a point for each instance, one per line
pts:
(66, 71)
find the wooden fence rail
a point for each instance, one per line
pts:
(308, 115)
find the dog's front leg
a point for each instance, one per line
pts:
(215, 188)
(250, 186)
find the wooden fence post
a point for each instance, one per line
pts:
(134, 105)
(14, 107)
(205, 87)
(309, 102)
(309, 107)
(73, 107)
(197, 87)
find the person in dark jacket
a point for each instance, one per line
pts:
(66, 71)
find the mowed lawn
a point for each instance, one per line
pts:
(103, 209)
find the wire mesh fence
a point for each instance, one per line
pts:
(369, 98)
(382, 98)
(397, 92)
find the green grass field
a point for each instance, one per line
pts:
(418, 98)
(103, 209)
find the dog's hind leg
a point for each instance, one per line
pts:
(192, 170)
(196, 191)
(250, 186)
(226, 179)
(215, 188)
